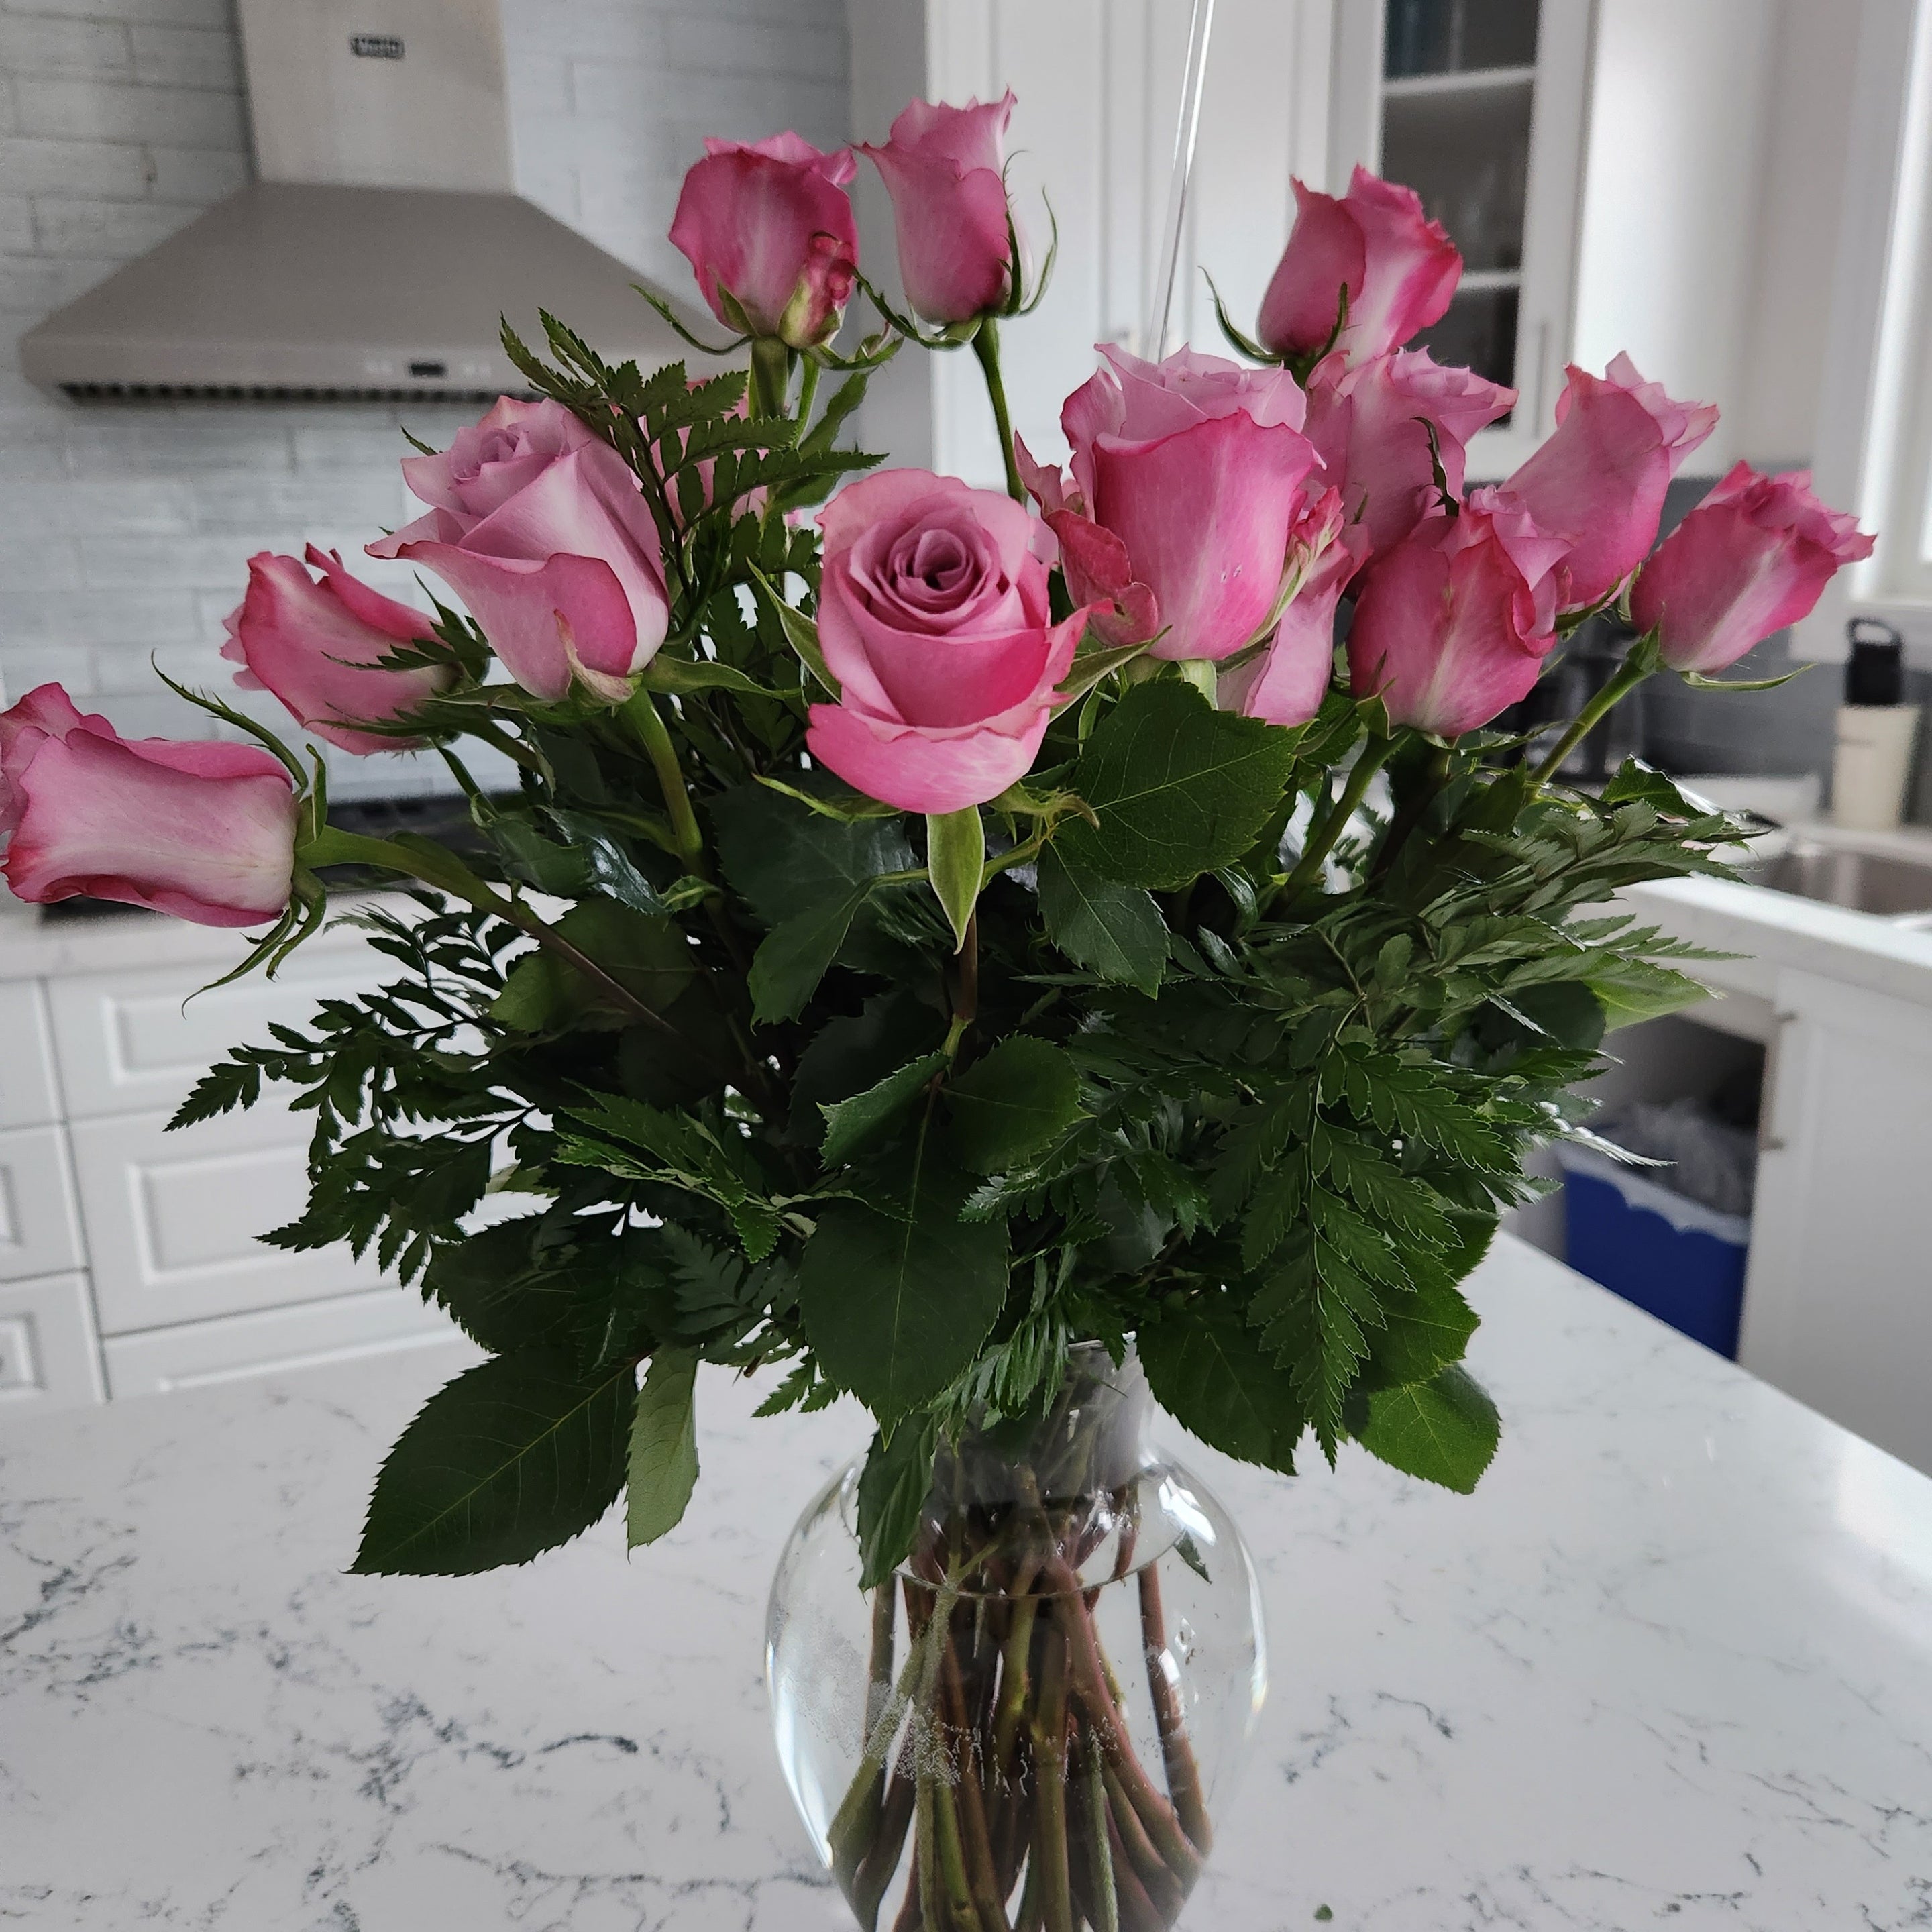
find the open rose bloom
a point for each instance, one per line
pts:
(997, 950)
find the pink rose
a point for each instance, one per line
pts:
(205, 831)
(1187, 477)
(1399, 269)
(540, 530)
(945, 168)
(1286, 683)
(316, 645)
(769, 230)
(932, 614)
(1370, 423)
(1751, 559)
(1452, 625)
(1599, 482)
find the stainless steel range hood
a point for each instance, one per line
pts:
(377, 250)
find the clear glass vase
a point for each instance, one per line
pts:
(1030, 1725)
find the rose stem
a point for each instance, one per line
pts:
(911, 1915)
(1049, 1836)
(1139, 1913)
(1163, 1889)
(1028, 1919)
(1089, 1681)
(1369, 761)
(1184, 1773)
(1094, 1794)
(858, 1817)
(975, 1841)
(986, 346)
(853, 1820)
(875, 1869)
(952, 1906)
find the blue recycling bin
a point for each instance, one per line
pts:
(1672, 1256)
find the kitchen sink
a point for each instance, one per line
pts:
(1894, 888)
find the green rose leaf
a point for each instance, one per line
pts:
(956, 863)
(1012, 1102)
(514, 1456)
(1114, 930)
(892, 1487)
(1445, 1430)
(662, 1468)
(792, 958)
(1180, 787)
(645, 954)
(1208, 1370)
(786, 861)
(1424, 1330)
(897, 1305)
(853, 1125)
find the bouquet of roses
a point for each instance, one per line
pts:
(956, 927)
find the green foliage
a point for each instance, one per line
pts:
(1445, 1430)
(516, 1455)
(892, 1487)
(660, 1469)
(1179, 787)
(1019, 1099)
(797, 1083)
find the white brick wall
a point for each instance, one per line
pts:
(125, 532)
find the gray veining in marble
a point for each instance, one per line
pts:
(1671, 1667)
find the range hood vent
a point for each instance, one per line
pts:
(373, 258)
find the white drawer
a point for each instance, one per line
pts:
(39, 1231)
(50, 1356)
(276, 1339)
(136, 1040)
(172, 1219)
(29, 1097)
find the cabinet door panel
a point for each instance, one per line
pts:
(275, 1341)
(136, 1040)
(50, 1356)
(174, 1219)
(1838, 1300)
(28, 1096)
(39, 1233)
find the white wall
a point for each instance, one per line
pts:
(1678, 122)
(126, 530)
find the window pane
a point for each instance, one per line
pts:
(1467, 153)
(1452, 36)
(1478, 332)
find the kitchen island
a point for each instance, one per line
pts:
(1672, 1665)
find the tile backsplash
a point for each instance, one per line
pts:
(125, 531)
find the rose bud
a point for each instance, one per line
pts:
(1752, 557)
(1452, 625)
(1286, 683)
(1370, 425)
(205, 831)
(1598, 483)
(768, 228)
(1187, 479)
(1399, 269)
(945, 168)
(540, 530)
(933, 616)
(316, 646)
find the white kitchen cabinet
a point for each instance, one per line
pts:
(50, 1354)
(39, 1233)
(174, 1219)
(273, 1341)
(139, 1038)
(1838, 1296)
(111, 1226)
(29, 1097)
(1482, 106)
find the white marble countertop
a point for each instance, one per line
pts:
(1671, 1666)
